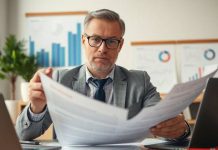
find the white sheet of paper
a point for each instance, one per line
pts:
(79, 120)
(150, 141)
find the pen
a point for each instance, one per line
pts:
(30, 142)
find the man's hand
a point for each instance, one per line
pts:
(36, 93)
(172, 128)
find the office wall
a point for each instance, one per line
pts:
(4, 85)
(145, 19)
(3, 8)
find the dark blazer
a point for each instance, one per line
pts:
(131, 88)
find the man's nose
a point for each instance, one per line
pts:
(103, 47)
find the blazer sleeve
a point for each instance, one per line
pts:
(151, 97)
(27, 129)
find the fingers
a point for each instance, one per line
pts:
(36, 86)
(171, 128)
(36, 93)
(169, 132)
(171, 122)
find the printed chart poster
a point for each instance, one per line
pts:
(197, 60)
(159, 62)
(56, 40)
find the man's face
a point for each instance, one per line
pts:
(101, 59)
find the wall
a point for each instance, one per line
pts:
(145, 19)
(3, 7)
(4, 85)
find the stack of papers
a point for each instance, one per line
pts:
(80, 120)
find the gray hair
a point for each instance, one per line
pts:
(105, 14)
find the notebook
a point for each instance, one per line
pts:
(205, 132)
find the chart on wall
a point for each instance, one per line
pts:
(55, 40)
(159, 62)
(197, 60)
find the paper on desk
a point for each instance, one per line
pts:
(79, 120)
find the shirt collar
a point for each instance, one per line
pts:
(89, 75)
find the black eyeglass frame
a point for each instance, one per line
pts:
(102, 40)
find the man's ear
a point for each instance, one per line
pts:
(121, 44)
(83, 39)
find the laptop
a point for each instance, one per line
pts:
(205, 132)
(8, 136)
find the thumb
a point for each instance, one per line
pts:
(36, 77)
(48, 72)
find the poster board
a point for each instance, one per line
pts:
(158, 59)
(198, 58)
(55, 38)
(195, 57)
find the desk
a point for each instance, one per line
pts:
(54, 145)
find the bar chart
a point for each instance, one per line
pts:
(56, 42)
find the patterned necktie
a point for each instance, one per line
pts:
(100, 94)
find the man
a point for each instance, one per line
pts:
(100, 79)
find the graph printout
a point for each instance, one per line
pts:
(56, 40)
(196, 59)
(159, 62)
(80, 120)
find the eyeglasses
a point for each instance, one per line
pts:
(96, 41)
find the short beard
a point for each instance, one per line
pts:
(101, 69)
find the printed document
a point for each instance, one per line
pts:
(80, 120)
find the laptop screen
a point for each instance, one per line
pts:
(205, 133)
(8, 136)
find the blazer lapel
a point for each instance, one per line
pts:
(76, 80)
(80, 83)
(120, 84)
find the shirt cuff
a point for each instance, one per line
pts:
(36, 117)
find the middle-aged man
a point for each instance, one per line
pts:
(99, 79)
